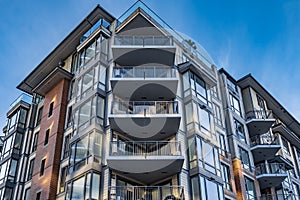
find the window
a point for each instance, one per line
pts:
(85, 187)
(250, 189)
(226, 176)
(204, 119)
(231, 85)
(244, 156)
(30, 170)
(69, 117)
(285, 146)
(42, 169)
(47, 137)
(27, 194)
(260, 102)
(214, 92)
(83, 149)
(222, 143)
(199, 89)
(66, 147)
(38, 195)
(205, 155)
(51, 109)
(208, 189)
(239, 131)
(39, 116)
(62, 181)
(296, 191)
(8, 193)
(217, 115)
(235, 104)
(35, 142)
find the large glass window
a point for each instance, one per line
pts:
(12, 144)
(244, 156)
(235, 104)
(204, 118)
(250, 189)
(8, 171)
(85, 187)
(83, 149)
(89, 112)
(18, 119)
(27, 194)
(240, 131)
(208, 189)
(205, 153)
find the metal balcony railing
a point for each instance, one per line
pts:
(270, 168)
(263, 140)
(259, 114)
(145, 107)
(144, 72)
(145, 148)
(146, 193)
(143, 40)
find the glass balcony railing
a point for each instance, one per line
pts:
(145, 148)
(263, 140)
(144, 72)
(270, 168)
(145, 107)
(23, 97)
(146, 193)
(143, 41)
(259, 114)
(100, 23)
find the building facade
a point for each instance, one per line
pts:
(128, 109)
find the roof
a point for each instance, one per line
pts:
(63, 50)
(273, 104)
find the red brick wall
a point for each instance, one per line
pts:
(52, 151)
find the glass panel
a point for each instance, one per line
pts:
(195, 188)
(95, 186)
(204, 121)
(78, 188)
(84, 113)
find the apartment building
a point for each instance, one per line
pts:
(128, 109)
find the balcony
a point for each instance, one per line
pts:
(270, 174)
(146, 193)
(148, 82)
(139, 50)
(145, 120)
(146, 161)
(259, 121)
(264, 147)
(25, 98)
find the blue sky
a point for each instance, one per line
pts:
(258, 37)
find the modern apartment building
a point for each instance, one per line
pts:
(128, 109)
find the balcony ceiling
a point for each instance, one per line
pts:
(264, 152)
(152, 127)
(146, 170)
(259, 126)
(141, 89)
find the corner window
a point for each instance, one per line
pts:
(209, 189)
(62, 181)
(285, 146)
(204, 119)
(85, 187)
(50, 109)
